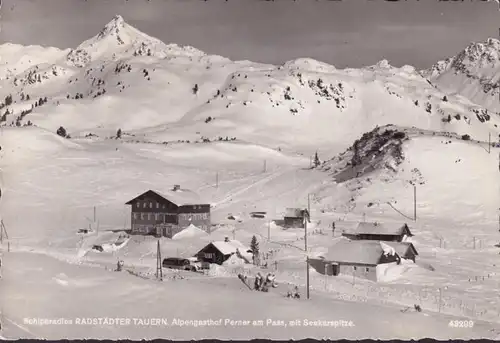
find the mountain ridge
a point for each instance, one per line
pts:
(123, 78)
(474, 73)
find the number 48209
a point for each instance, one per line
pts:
(461, 323)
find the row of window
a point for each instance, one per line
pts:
(150, 216)
(163, 216)
(146, 204)
(367, 269)
(150, 204)
(194, 216)
(141, 229)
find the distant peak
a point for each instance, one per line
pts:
(383, 64)
(116, 21)
(117, 18)
(113, 26)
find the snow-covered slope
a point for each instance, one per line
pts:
(456, 178)
(123, 78)
(473, 73)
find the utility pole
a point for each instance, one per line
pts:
(439, 301)
(489, 143)
(234, 234)
(159, 270)
(3, 231)
(326, 276)
(269, 230)
(307, 256)
(309, 206)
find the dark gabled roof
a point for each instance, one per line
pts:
(228, 248)
(180, 198)
(402, 251)
(382, 229)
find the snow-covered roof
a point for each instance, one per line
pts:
(380, 229)
(179, 197)
(364, 251)
(182, 197)
(230, 247)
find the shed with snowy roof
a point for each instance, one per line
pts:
(361, 257)
(219, 251)
(295, 217)
(380, 232)
(169, 212)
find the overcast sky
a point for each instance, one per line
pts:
(349, 33)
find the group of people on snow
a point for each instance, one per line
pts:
(263, 284)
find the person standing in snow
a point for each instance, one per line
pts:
(271, 280)
(258, 282)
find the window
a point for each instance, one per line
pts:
(157, 216)
(150, 204)
(138, 204)
(149, 216)
(367, 269)
(142, 216)
(355, 268)
(209, 255)
(157, 205)
(135, 216)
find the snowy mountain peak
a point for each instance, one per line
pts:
(473, 73)
(119, 40)
(475, 55)
(384, 64)
(113, 27)
(483, 54)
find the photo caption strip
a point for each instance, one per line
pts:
(177, 322)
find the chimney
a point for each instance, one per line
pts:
(176, 188)
(226, 239)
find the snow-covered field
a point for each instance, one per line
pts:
(275, 118)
